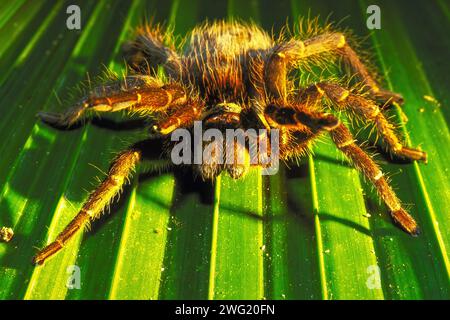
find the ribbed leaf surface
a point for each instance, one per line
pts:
(313, 231)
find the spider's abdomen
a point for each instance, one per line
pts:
(216, 58)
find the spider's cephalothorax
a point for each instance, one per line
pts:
(234, 75)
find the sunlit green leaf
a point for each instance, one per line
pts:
(315, 230)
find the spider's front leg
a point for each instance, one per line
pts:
(344, 140)
(182, 116)
(298, 127)
(296, 51)
(140, 94)
(119, 172)
(369, 111)
(292, 118)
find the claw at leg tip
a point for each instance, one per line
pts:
(37, 261)
(416, 232)
(424, 157)
(46, 116)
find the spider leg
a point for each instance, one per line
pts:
(183, 116)
(289, 117)
(300, 119)
(344, 140)
(298, 128)
(118, 174)
(141, 94)
(370, 111)
(293, 52)
(148, 51)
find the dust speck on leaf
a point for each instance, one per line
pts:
(431, 99)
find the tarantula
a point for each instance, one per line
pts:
(234, 75)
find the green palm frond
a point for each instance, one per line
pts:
(314, 231)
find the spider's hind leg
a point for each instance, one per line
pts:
(149, 50)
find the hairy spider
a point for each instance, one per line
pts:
(234, 75)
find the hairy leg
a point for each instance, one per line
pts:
(119, 172)
(148, 51)
(183, 116)
(344, 140)
(298, 128)
(289, 117)
(293, 52)
(140, 94)
(299, 119)
(369, 111)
